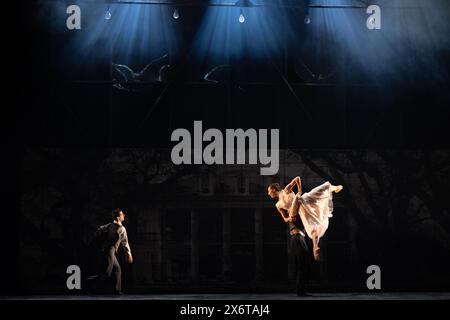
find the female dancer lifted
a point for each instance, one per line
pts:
(314, 207)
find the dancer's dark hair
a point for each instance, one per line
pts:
(275, 186)
(116, 213)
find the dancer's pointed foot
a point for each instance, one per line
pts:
(338, 188)
(316, 252)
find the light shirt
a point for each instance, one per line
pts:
(285, 199)
(123, 237)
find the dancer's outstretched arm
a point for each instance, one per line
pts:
(285, 217)
(299, 184)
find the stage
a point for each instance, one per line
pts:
(397, 296)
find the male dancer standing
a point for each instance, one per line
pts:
(298, 247)
(112, 235)
(300, 251)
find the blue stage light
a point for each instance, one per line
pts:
(176, 14)
(241, 17)
(307, 20)
(108, 14)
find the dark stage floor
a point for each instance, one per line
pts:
(243, 296)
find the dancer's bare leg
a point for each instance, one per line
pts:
(316, 248)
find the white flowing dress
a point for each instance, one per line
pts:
(314, 207)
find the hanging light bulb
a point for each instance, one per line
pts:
(176, 14)
(241, 17)
(307, 20)
(108, 14)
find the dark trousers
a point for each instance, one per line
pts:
(112, 268)
(109, 274)
(300, 252)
